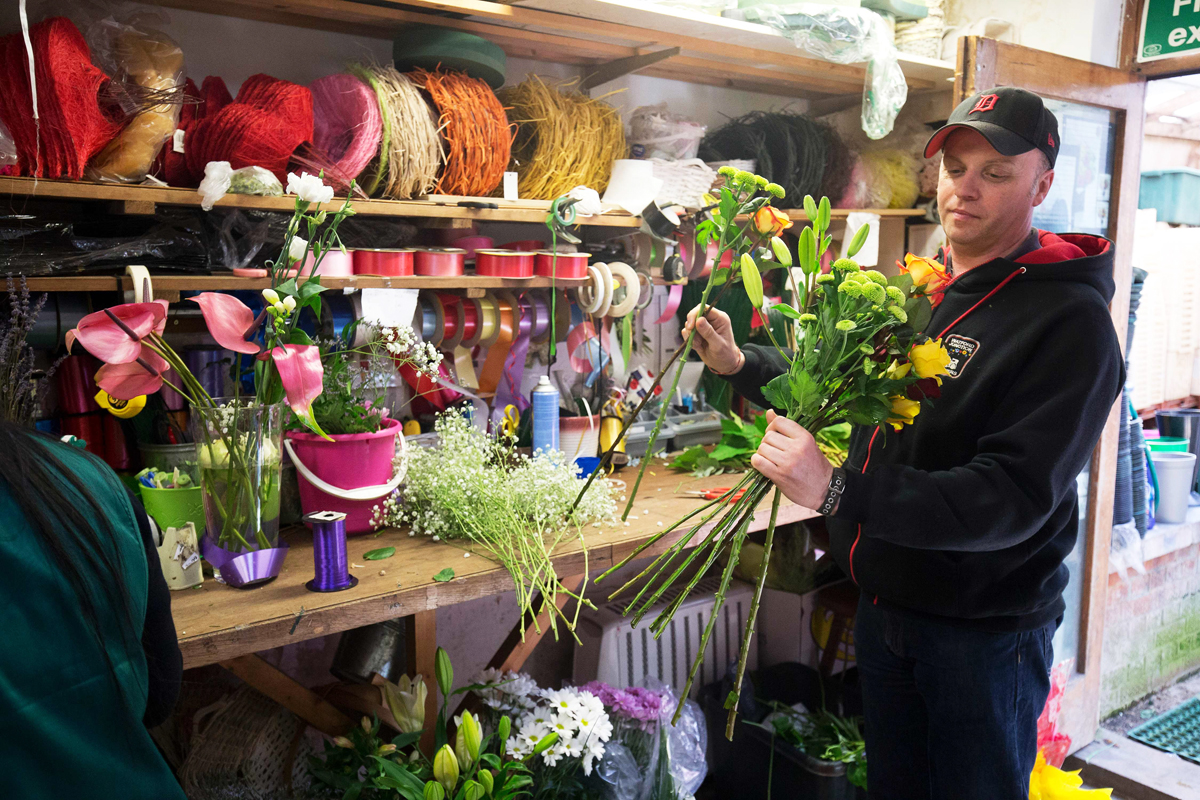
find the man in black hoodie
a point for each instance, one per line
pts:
(955, 527)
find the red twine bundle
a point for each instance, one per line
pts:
(263, 127)
(213, 95)
(476, 131)
(73, 125)
(347, 124)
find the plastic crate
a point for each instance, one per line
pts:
(1174, 193)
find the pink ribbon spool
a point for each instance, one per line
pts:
(383, 262)
(568, 266)
(335, 264)
(439, 261)
(504, 264)
(473, 243)
(526, 245)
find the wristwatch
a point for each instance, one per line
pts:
(837, 485)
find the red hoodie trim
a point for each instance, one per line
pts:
(1064, 247)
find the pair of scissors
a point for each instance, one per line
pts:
(713, 494)
(510, 420)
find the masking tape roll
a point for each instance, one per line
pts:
(628, 278)
(596, 299)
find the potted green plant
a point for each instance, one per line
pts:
(361, 457)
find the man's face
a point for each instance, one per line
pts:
(985, 198)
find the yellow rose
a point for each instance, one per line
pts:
(927, 273)
(896, 370)
(929, 360)
(903, 411)
(771, 221)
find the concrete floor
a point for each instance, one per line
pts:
(1162, 701)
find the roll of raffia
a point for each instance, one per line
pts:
(410, 148)
(475, 131)
(265, 125)
(564, 138)
(347, 124)
(71, 126)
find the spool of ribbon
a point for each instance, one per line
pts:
(439, 261)
(561, 265)
(629, 280)
(466, 337)
(590, 352)
(645, 289)
(533, 325)
(330, 565)
(596, 298)
(504, 263)
(243, 570)
(501, 342)
(674, 298)
(429, 325)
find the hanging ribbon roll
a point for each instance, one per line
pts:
(628, 280)
(500, 342)
(596, 298)
(533, 326)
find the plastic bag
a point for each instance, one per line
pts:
(844, 35)
(655, 133)
(8, 151)
(220, 179)
(146, 67)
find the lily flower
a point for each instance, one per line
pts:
(230, 321)
(406, 699)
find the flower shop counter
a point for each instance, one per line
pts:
(216, 623)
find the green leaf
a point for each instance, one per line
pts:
(724, 452)
(860, 238)
(778, 392)
(810, 208)
(903, 282)
(311, 288)
(825, 242)
(287, 287)
(919, 312)
(445, 575)
(805, 391)
(491, 759)
(298, 336)
(353, 792)
(720, 275)
(728, 206)
(752, 281)
(406, 739)
(410, 786)
(786, 310)
(731, 701)
(380, 554)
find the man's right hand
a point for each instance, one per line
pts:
(714, 341)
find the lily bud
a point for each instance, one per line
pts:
(445, 768)
(434, 791)
(271, 296)
(782, 254)
(342, 741)
(366, 724)
(502, 731)
(473, 790)
(443, 671)
(485, 778)
(289, 303)
(467, 741)
(384, 749)
(545, 743)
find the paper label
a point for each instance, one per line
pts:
(178, 551)
(192, 559)
(177, 140)
(510, 186)
(389, 306)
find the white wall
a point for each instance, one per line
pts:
(1085, 29)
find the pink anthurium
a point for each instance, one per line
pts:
(301, 374)
(114, 335)
(135, 378)
(230, 321)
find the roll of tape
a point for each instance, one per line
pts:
(596, 299)
(645, 289)
(628, 278)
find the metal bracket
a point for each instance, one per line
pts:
(612, 70)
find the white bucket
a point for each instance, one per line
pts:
(632, 185)
(579, 436)
(1174, 473)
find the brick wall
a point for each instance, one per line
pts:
(1152, 628)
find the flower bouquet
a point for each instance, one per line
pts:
(238, 437)
(860, 357)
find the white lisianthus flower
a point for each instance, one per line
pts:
(298, 248)
(309, 188)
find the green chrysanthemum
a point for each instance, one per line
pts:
(845, 325)
(874, 292)
(876, 276)
(744, 177)
(894, 294)
(727, 171)
(857, 277)
(850, 288)
(776, 189)
(846, 265)
(825, 278)
(899, 313)
(760, 181)
(805, 318)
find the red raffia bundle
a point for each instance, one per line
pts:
(213, 95)
(263, 127)
(347, 125)
(476, 131)
(72, 126)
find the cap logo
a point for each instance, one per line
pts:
(986, 103)
(1050, 139)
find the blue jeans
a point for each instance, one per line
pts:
(951, 713)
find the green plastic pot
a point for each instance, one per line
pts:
(174, 508)
(1167, 444)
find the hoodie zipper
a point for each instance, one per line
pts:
(871, 443)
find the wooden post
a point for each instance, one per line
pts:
(420, 639)
(283, 690)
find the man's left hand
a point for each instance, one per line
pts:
(789, 456)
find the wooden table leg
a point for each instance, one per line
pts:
(420, 632)
(302, 702)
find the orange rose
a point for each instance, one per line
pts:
(771, 221)
(928, 274)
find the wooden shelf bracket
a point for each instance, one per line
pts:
(612, 70)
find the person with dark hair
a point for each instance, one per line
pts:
(89, 657)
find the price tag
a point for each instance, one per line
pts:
(192, 559)
(510, 186)
(178, 551)
(177, 140)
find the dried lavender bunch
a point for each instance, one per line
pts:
(22, 385)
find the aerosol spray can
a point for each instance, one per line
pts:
(545, 415)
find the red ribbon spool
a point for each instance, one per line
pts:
(383, 262)
(503, 264)
(526, 245)
(570, 265)
(439, 262)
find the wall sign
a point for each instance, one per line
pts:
(1170, 28)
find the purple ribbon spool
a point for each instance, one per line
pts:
(330, 563)
(244, 570)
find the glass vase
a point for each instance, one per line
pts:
(238, 450)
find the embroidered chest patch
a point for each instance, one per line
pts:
(961, 351)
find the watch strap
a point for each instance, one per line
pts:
(837, 485)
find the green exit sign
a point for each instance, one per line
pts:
(1169, 28)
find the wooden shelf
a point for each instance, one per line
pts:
(143, 200)
(202, 283)
(714, 51)
(217, 623)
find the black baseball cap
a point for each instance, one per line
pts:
(1014, 121)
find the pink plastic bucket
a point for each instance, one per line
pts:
(352, 474)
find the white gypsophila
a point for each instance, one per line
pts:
(309, 188)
